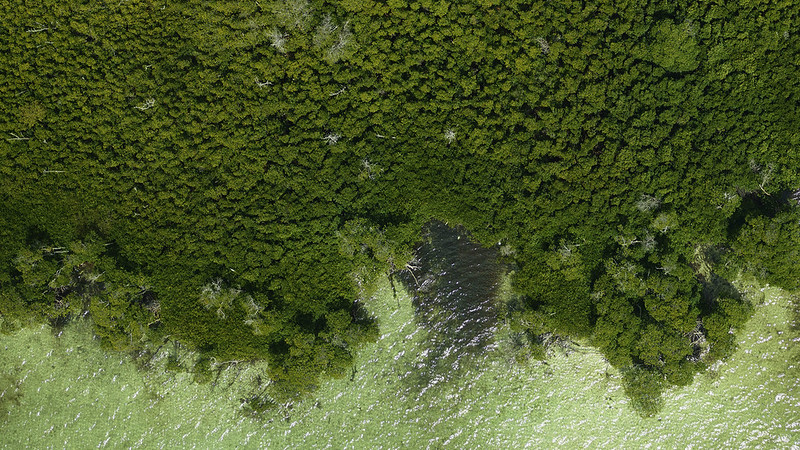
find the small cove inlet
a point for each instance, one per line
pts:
(438, 377)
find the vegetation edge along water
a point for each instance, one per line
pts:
(232, 175)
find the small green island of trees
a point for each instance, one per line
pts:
(234, 175)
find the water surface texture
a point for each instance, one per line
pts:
(426, 383)
(453, 284)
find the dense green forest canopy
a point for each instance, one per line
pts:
(232, 174)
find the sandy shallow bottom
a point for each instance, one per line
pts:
(66, 393)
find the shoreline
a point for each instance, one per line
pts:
(74, 392)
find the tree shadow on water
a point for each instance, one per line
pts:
(453, 285)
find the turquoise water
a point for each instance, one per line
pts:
(71, 394)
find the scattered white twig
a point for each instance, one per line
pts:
(543, 45)
(17, 137)
(332, 138)
(450, 135)
(340, 91)
(263, 84)
(149, 103)
(278, 40)
(38, 30)
(372, 170)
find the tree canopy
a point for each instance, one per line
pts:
(231, 174)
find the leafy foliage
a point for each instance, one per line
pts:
(293, 150)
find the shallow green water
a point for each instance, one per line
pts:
(71, 394)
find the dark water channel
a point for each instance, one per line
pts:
(453, 287)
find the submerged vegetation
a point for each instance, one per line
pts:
(233, 174)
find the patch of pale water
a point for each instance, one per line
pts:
(75, 395)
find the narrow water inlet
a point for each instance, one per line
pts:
(453, 286)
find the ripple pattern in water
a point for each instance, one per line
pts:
(73, 395)
(453, 288)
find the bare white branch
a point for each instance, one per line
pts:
(647, 203)
(293, 13)
(370, 169)
(278, 40)
(17, 138)
(263, 84)
(340, 91)
(766, 177)
(449, 135)
(543, 45)
(147, 104)
(332, 138)
(41, 27)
